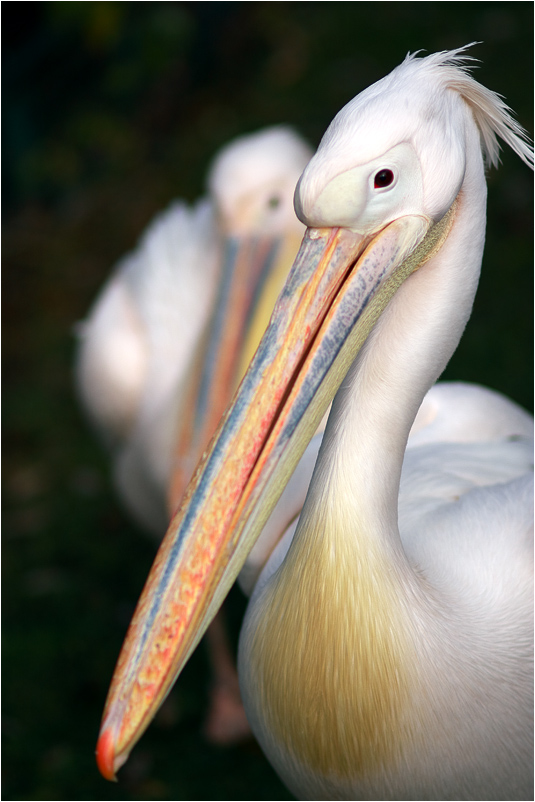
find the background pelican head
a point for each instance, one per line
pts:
(253, 182)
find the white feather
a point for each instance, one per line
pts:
(451, 515)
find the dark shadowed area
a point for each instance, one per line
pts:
(110, 111)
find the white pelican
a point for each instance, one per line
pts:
(147, 337)
(386, 651)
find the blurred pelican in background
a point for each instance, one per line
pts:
(193, 298)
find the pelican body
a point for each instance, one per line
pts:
(387, 647)
(174, 327)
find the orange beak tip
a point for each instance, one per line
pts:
(106, 756)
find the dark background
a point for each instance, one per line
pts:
(110, 111)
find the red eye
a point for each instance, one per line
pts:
(383, 179)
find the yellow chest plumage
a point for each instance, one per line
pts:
(332, 655)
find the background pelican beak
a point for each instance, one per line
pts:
(252, 274)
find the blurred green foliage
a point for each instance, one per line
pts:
(110, 111)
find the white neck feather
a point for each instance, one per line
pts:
(405, 354)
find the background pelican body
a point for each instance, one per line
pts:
(383, 655)
(148, 334)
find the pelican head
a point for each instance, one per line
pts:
(376, 301)
(253, 181)
(400, 147)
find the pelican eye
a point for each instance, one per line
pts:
(274, 202)
(383, 179)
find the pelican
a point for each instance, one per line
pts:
(386, 649)
(159, 328)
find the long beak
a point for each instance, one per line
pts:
(336, 290)
(252, 274)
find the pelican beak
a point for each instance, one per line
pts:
(252, 273)
(337, 288)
